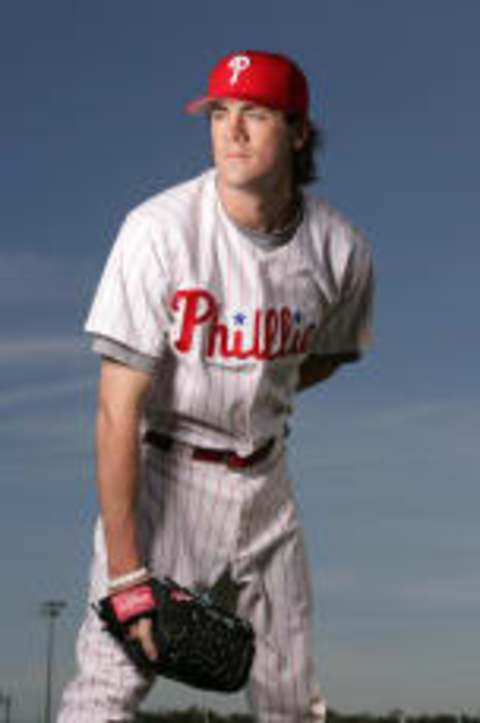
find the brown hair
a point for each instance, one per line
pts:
(304, 161)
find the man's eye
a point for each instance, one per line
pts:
(256, 113)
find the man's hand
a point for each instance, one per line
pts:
(317, 369)
(142, 631)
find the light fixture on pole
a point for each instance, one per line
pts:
(51, 610)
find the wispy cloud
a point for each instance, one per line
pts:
(37, 392)
(34, 349)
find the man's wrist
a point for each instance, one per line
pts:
(123, 552)
(134, 577)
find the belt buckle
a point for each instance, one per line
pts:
(234, 461)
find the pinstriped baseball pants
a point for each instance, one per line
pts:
(201, 524)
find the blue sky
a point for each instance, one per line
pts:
(386, 455)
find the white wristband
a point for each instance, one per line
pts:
(129, 579)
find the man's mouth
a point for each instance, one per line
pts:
(236, 154)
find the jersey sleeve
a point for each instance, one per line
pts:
(347, 331)
(131, 302)
(119, 352)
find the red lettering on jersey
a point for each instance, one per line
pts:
(192, 315)
(255, 350)
(220, 332)
(271, 329)
(274, 332)
(237, 349)
(285, 328)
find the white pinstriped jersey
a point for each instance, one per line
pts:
(227, 321)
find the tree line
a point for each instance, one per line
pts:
(200, 715)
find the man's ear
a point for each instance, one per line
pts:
(300, 133)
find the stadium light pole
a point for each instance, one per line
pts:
(6, 701)
(51, 610)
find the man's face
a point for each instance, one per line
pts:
(251, 144)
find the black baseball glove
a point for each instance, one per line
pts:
(198, 643)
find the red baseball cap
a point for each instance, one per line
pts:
(268, 79)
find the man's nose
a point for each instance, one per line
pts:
(236, 127)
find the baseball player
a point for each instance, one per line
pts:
(222, 297)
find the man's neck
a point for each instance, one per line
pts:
(264, 210)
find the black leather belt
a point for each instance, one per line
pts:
(205, 454)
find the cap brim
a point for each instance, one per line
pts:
(199, 105)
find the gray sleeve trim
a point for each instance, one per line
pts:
(124, 354)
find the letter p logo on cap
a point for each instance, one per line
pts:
(238, 64)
